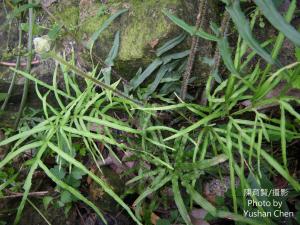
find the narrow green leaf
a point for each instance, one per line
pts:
(190, 29)
(225, 52)
(24, 134)
(13, 154)
(18, 10)
(152, 87)
(28, 181)
(282, 134)
(195, 125)
(139, 79)
(103, 27)
(32, 78)
(170, 44)
(178, 55)
(153, 188)
(117, 126)
(109, 61)
(218, 213)
(271, 13)
(290, 109)
(204, 164)
(179, 201)
(244, 29)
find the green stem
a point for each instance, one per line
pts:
(28, 66)
(12, 83)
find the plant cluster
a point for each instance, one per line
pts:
(173, 156)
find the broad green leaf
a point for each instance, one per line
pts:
(59, 172)
(66, 197)
(77, 173)
(46, 201)
(54, 32)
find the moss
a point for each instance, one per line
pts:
(143, 23)
(69, 16)
(146, 23)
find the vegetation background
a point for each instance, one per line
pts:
(149, 112)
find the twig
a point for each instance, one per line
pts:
(17, 195)
(14, 64)
(194, 47)
(81, 218)
(28, 66)
(217, 57)
(39, 212)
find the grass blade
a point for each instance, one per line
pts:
(179, 201)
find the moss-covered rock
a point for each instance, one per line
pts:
(143, 23)
(143, 27)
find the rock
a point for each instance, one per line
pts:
(143, 28)
(217, 187)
